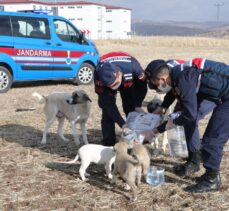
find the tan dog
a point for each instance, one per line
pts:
(143, 156)
(57, 106)
(127, 167)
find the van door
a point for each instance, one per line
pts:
(6, 45)
(67, 49)
(33, 48)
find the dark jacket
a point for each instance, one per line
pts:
(199, 79)
(133, 87)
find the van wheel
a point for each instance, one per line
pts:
(5, 79)
(85, 74)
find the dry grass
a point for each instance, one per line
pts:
(31, 177)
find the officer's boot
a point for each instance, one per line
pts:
(210, 181)
(191, 166)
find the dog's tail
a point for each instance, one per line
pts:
(73, 161)
(41, 98)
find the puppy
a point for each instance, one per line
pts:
(127, 167)
(56, 106)
(94, 153)
(151, 107)
(143, 156)
(153, 104)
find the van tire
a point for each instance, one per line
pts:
(6, 79)
(85, 74)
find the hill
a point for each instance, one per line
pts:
(171, 28)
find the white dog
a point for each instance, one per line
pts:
(94, 153)
(56, 105)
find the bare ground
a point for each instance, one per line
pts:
(32, 177)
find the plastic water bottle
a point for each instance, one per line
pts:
(155, 176)
(161, 175)
(152, 178)
(177, 142)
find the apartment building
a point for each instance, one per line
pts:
(98, 21)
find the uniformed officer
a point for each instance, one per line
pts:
(204, 80)
(192, 164)
(118, 71)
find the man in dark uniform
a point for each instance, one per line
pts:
(118, 71)
(204, 80)
(192, 164)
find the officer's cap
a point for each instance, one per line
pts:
(107, 73)
(153, 66)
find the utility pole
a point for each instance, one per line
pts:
(218, 5)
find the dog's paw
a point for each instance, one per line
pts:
(85, 179)
(77, 142)
(109, 176)
(126, 187)
(133, 199)
(43, 141)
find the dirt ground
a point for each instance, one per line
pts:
(32, 176)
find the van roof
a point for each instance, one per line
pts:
(26, 14)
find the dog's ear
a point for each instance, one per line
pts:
(87, 97)
(73, 99)
(75, 94)
(129, 150)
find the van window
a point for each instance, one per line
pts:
(30, 27)
(5, 29)
(66, 32)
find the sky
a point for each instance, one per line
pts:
(173, 10)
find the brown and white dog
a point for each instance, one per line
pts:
(127, 167)
(142, 153)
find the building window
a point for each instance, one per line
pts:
(34, 7)
(79, 7)
(1, 8)
(72, 19)
(61, 7)
(109, 31)
(71, 7)
(40, 7)
(109, 21)
(124, 11)
(99, 30)
(79, 19)
(109, 10)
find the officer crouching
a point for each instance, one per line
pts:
(204, 80)
(118, 71)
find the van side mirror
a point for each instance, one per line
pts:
(81, 37)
